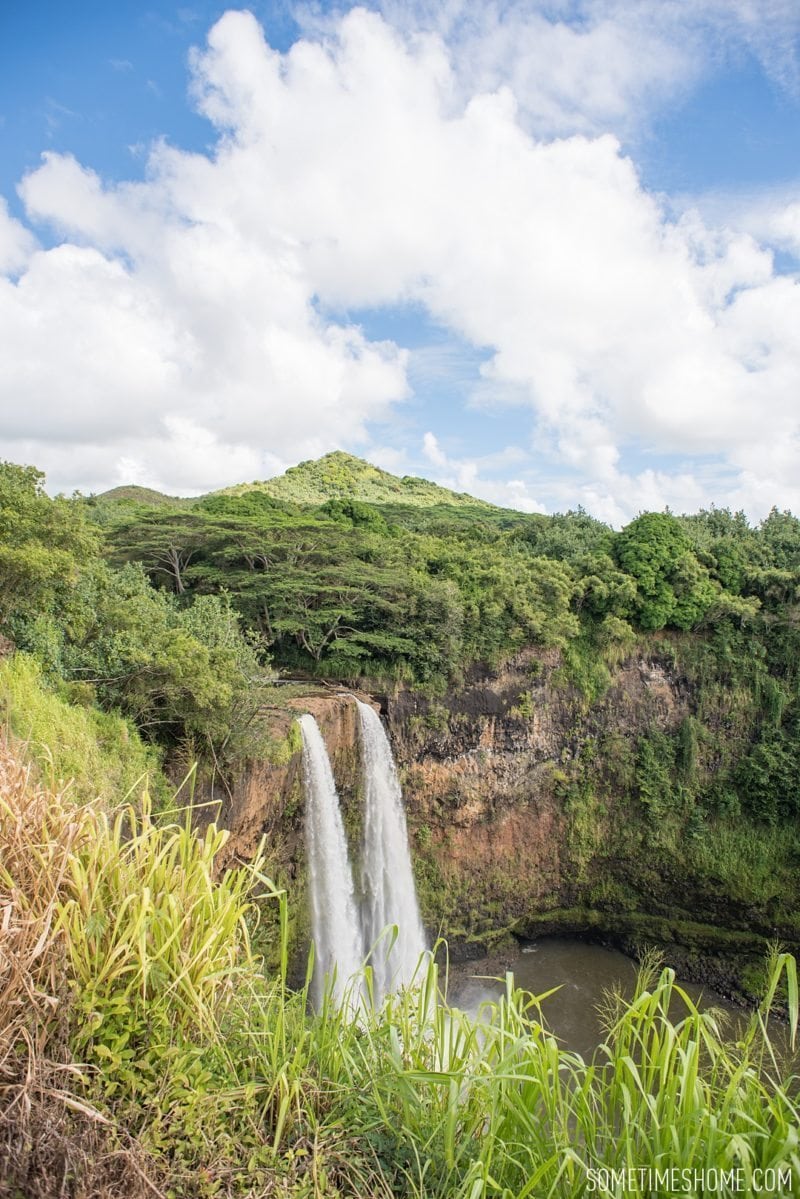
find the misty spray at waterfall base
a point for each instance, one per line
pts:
(344, 936)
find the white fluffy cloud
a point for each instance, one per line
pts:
(184, 325)
(16, 242)
(592, 66)
(167, 332)
(464, 474)
(772, 216)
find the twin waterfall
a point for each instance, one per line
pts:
(390, 897)
(334, 911)
(384, 927)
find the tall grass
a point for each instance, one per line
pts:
(50, 1134)
(231, 1086)
(93, 753)
(467, 1108)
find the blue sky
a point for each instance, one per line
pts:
(545, 251)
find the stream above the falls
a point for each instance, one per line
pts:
(584, 972)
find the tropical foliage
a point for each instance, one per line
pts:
(172, 612)
(143, 1049)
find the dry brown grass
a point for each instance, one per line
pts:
(52, 1142)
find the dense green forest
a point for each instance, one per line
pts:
(147, 1046)
(173, 614)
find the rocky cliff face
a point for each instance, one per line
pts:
(266, 799)
(522, 810)
(527, 817)
(490, 774)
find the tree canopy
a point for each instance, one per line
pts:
(173, 612)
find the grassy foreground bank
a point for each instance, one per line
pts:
(145, 1050)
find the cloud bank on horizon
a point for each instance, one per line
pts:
(221, 318)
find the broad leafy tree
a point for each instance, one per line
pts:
(673, 586)
(43, 545)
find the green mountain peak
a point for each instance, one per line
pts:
(343, 476)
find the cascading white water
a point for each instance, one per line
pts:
(390, 896)
(334, 912)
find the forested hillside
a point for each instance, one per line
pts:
(173, 614)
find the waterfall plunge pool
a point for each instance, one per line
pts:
(584, 971)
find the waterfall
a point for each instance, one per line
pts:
(390, 897)
(334, 913)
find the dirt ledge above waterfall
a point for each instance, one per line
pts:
(265, 798)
